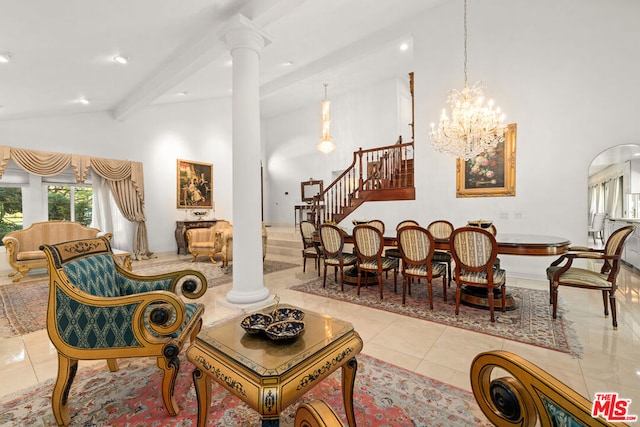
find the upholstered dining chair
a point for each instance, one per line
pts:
(98, 310)
(441, 230)
(332, 243)
(474, 252)
(395, 252)
(596, 228)
(377, 223)
(369, 244)
(310, 249)
(493, 230)
(566, 274)
(416, 246)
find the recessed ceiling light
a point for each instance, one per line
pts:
(5, 57)
(83, 101)
(183, 93)
(121, 59)
(287, 64)
(404, 46)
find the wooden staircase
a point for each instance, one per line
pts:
(377, 174)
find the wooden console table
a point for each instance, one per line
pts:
(181, 231)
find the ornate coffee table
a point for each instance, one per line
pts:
(270, 375)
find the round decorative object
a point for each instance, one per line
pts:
(256, 322)
(287, 314)
(505, 399)
(284, 330)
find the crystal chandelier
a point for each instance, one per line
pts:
(473, 127)
(326, 144)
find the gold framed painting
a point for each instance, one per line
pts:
(195, 184)
(491, 173)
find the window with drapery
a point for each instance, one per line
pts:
(607, 196)
(124, 178)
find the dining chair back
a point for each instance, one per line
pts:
(309, 248)
(474, 252)
(441, 230)
(395, 252)
(416, 245)
(332, 243)
(369, 244)
(377, 224)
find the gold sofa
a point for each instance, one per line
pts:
(23, 246)
(217, 239)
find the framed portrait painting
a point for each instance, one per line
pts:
(195, 185)
(491, 173)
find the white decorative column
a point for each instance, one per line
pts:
(245, 41)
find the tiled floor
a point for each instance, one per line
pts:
(611, 360)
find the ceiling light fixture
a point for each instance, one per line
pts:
(326, 144)
(5, 57)
(404, 46)
(473, 127)
(83, 101)
(121, 59)
(183, 93)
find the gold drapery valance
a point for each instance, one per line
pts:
(125, 178)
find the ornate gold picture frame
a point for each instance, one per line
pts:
(195, 185)
(490, 174)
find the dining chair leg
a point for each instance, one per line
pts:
(614, 317)
(554, 301)
(504, 298)
(444, 287)
(458, 292)
(359, 273)
(404, 289)
(606, 303)
(324, 279)
(380, 282)
(491, 307)
(430, 291)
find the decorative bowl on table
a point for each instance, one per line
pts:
(256, 322)
(284, 330)
(286, 313)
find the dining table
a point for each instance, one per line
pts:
(522, 244)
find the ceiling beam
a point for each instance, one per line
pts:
(197, 53)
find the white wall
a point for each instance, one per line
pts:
(370, 117)
(564, 70)
(157, 137)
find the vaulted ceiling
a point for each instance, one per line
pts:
(62, 51)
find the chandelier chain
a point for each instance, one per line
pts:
(465, 43)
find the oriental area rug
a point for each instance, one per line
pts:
(384, 395)
(531, 322)
(23, 305)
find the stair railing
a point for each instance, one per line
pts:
(389, 167)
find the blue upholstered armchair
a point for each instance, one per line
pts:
(97, 310)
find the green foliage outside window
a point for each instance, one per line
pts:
(10, 209)
(60, 197)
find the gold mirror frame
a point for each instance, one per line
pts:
(499, 163)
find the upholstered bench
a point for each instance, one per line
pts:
(23, 246)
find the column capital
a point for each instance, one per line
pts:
(241, 32)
